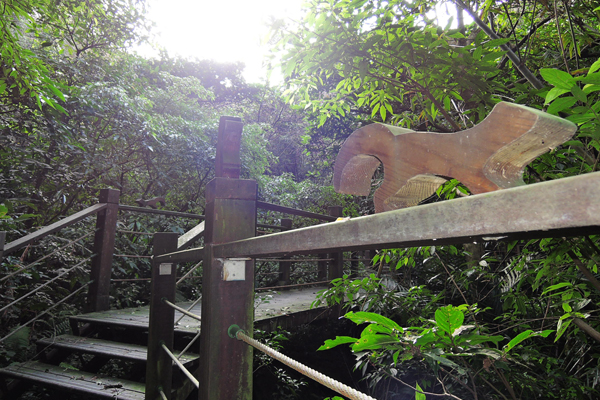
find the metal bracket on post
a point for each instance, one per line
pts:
(234, 269)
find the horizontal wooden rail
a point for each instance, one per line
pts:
(270, 226)
(190, 236)
(57, 226)
(293, 211)
(190, 255)
(564, 207)
(160, 212)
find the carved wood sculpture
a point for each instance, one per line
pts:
(152, 203)
(487, 157)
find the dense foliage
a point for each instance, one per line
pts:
(80, 111)
(491, 320)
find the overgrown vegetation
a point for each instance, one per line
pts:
(80, 112)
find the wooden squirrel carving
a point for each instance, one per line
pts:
(152, 203)
(487, 157)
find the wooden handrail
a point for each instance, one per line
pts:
(293, 211)
(190, 236)
(546, 209)
(160, 212)
(47, 230)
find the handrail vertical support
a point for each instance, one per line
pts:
(285, 266)
(227, 285)
(159, 369)
(336, 267)
(2, 242)
(104, 244)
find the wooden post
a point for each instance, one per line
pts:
(159, 366)
(336, 267)
(354, 263)
(104, 244)
(2, 242)
(285, 266)
(228, 284)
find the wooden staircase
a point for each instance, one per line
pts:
(93, 345)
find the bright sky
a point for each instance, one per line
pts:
(228, 31)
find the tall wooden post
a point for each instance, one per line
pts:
(159, 369)
(285, 266)
(336, 266)
(228, 284)
(2, 243)
(104, 244)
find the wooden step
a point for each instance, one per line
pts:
(75, 381)
(105, 348)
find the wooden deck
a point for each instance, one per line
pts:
(76, 381)
(284, 309)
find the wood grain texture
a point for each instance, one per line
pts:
(106, 348)
(487, 157)
(564, 207)
(94, 385)
(37, 235)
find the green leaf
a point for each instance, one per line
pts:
(561, 328)
(449, 318)
(523, 336)
(360, 317)
(554, 93)
(444, 361)
(331, 343)
(561, 104)
(579, 94)
(558, 78)
(595, 66)
(591, 78)
(373, 342)
(496, 42)
(418, 394)
(557, 286)
(474, 339)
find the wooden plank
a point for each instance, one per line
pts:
(487, 157)
(189, 255)
(284, 304)
(186, 240)
(292, 211)
(565, 207)
(105, 348)
(160, 212)
(57, 226)
(80, 382)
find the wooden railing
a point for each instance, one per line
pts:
(533, 211)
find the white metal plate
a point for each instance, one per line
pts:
(165, 269)
(234, 269)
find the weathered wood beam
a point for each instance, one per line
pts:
(159, 212)
(227, 292)
(104, 247)
(565, 207)
(293, 211)
(57, 226)
(190, 236)
(159, 367)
